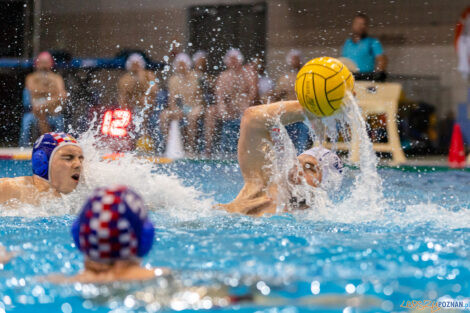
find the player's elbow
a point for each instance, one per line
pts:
(252, 117)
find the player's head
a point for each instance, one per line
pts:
(113, 226)
(135, 62)
(200, 60)
(293, 59)
(182, 63)
(257, 64)
(233, 59)
(58, 158)
(44, 61)
(360, 24)
(319, 167)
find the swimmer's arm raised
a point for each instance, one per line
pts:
(257, 122)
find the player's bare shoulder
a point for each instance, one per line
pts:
(55, 76)
(15, 188)
(125, 80)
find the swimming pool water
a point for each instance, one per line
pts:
(418, 249)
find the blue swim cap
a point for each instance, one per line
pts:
(44, 149)
(113, 225)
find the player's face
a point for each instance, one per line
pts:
(136, 66)
(359, 26)
(182, 67)
(233, 62)
(66, 168)
(295, 61)
(309, 169)
(43, 63)
(201, 64)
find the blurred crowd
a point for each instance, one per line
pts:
(205, 105)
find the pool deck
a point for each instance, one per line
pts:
(15, 153)
(431, 160)
(426, 161)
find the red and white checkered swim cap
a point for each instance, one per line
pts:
(113, 225)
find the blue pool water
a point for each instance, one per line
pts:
(417, 249)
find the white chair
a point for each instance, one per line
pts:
(378, 98)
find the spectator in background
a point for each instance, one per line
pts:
(205, 80)
(285, 90)
(265, 84)
(43, 98)
(365, 51)
(185, 101)
(233, 94)
(206, 83)
(137, 89)
(285, 87)
(28, 121)
(251, 69)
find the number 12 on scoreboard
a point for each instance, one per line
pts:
(115, 122)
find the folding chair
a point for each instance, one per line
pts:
(378, 98)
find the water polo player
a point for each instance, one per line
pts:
(261, 194)
(113, 232)
(57, 166)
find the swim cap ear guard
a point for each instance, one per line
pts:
(76, 233)
(145, 239)
(40, 164)
(44, 149)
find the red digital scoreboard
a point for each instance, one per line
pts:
(115, 122)
(115, 130)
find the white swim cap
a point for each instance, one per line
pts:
(331, 166)
(135, 57)
(182, 57)
(293, 53)
(199, 55)
(233, 52)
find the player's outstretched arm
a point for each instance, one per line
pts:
(256, 125)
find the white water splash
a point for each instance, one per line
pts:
(366, 194)
(160, 192)
(365, 199)
(429, 213)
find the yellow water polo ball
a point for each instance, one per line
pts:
(321, 85)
